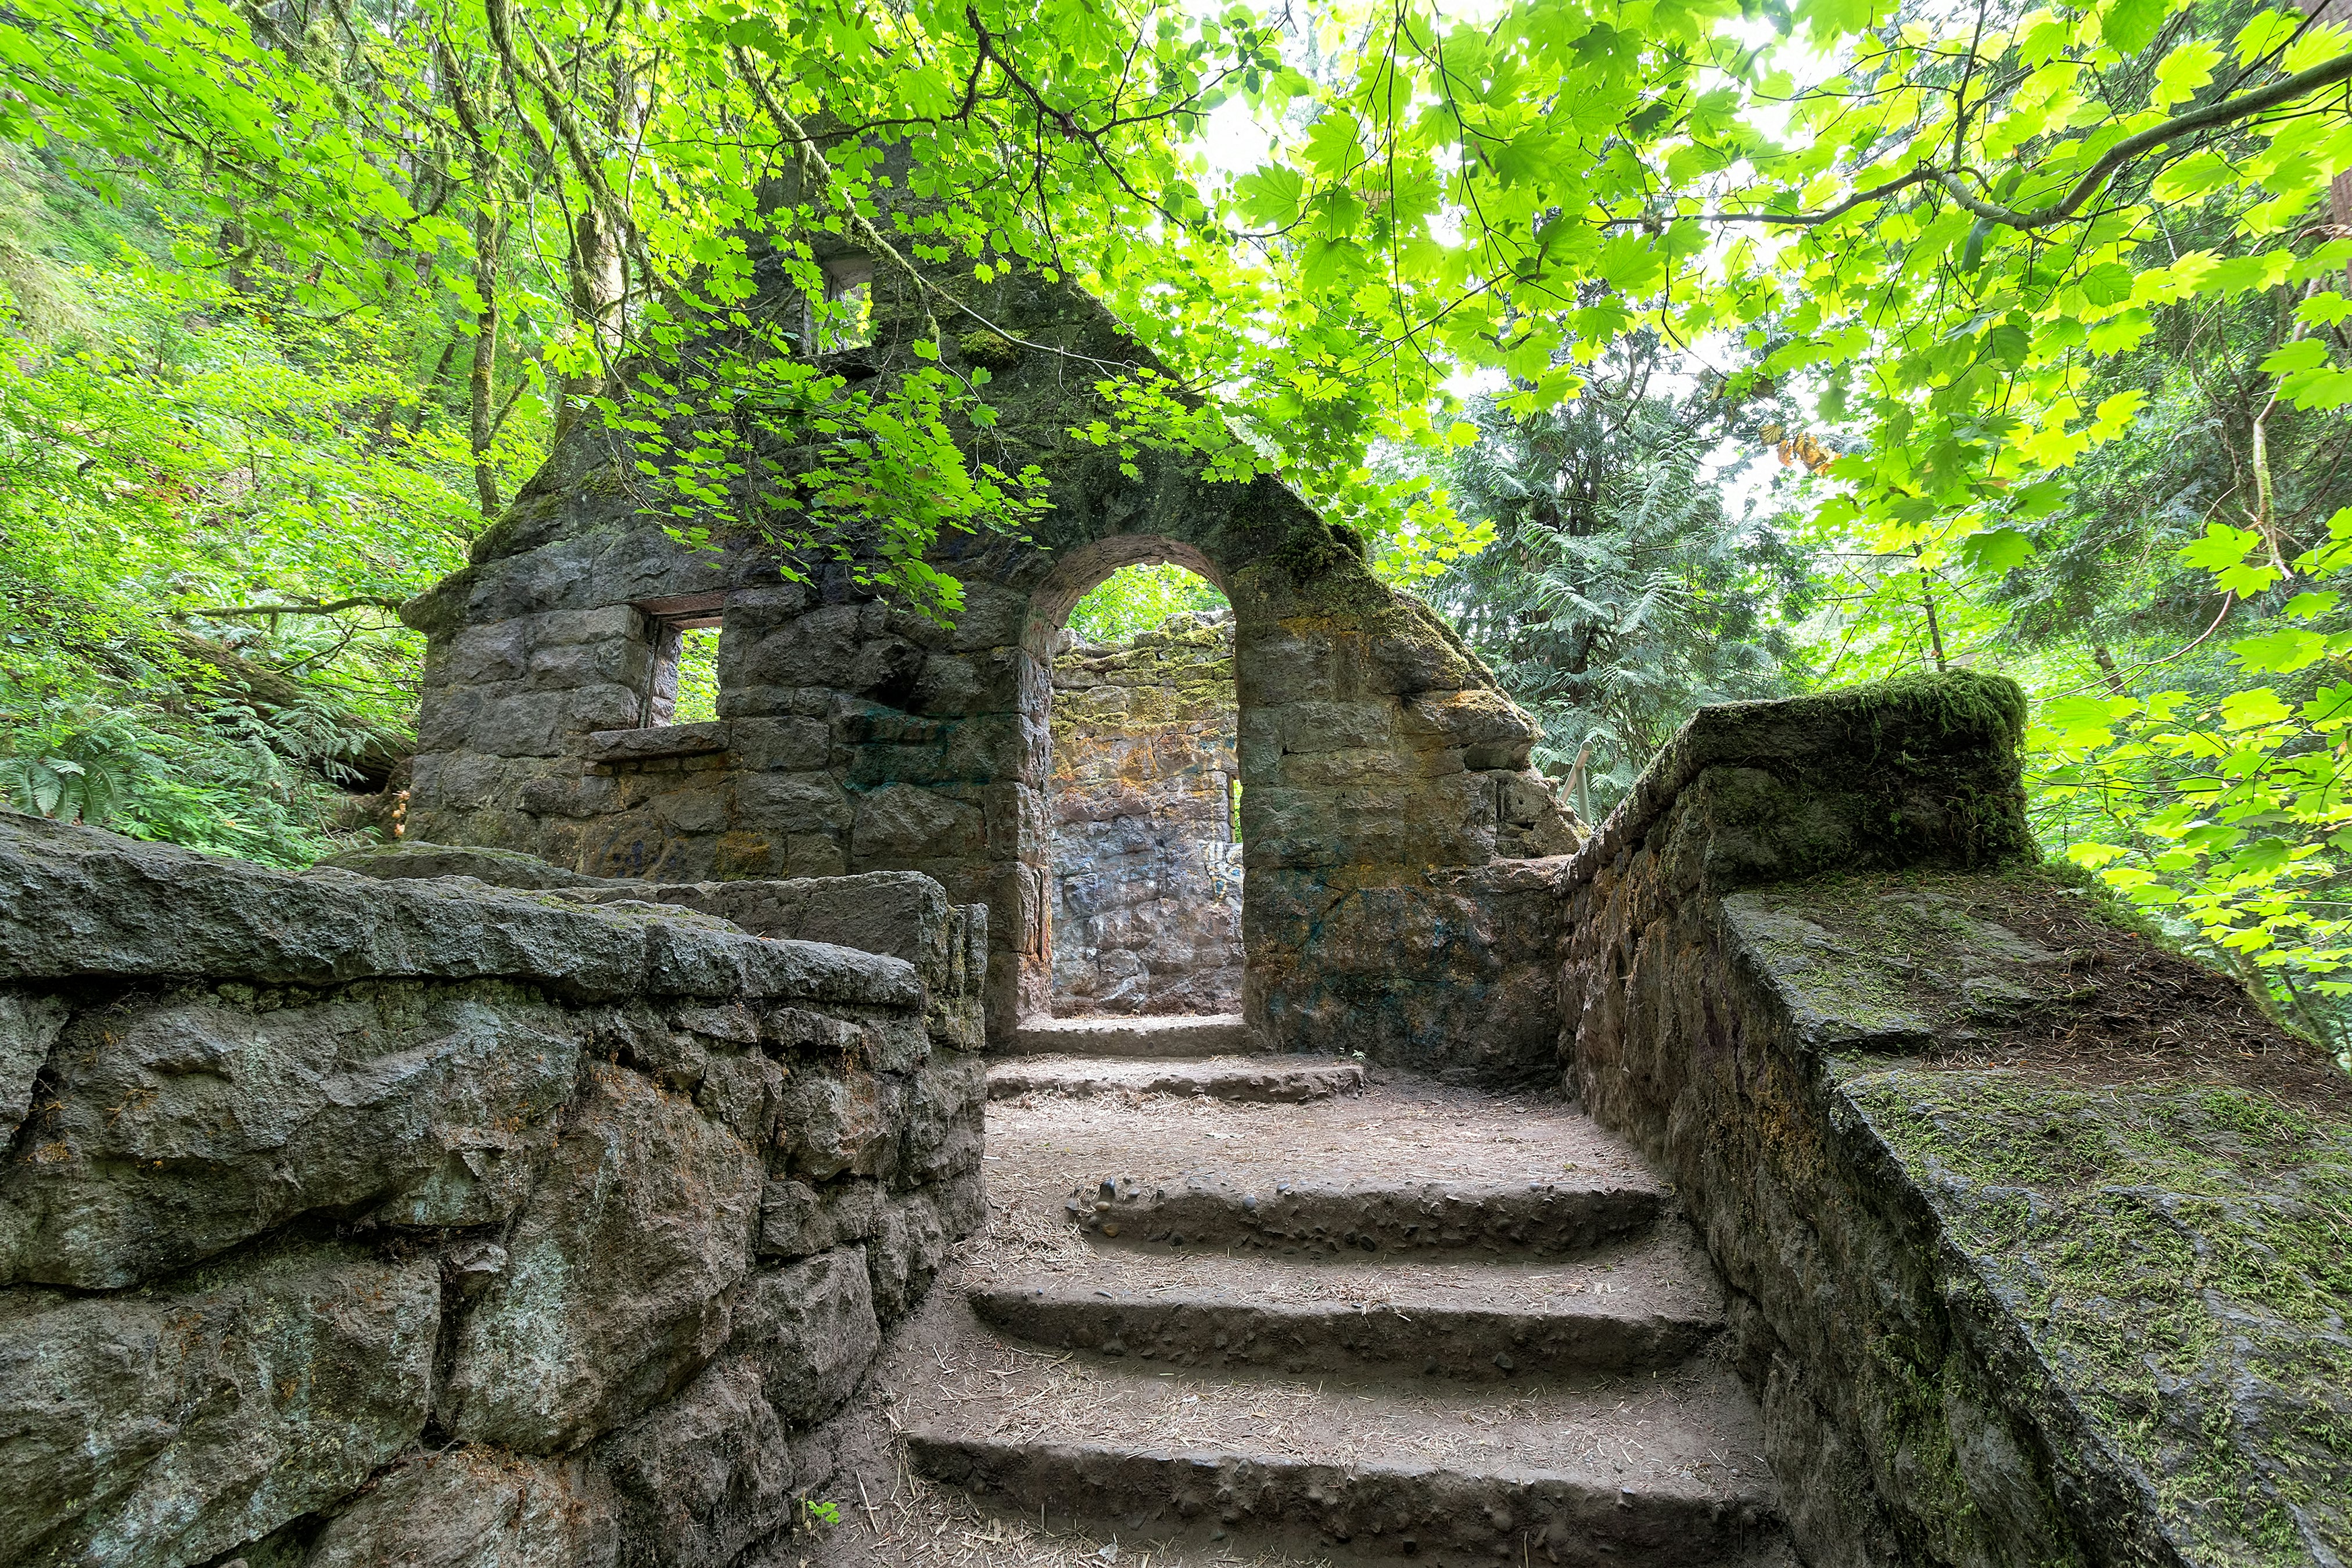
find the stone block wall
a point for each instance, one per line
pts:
(900, 914)
(357, 1221)
(1147, 871)
(2026, 1222)
(1375, 750)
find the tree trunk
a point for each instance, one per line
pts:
(598, 283)
(433, 387)
(483, 382)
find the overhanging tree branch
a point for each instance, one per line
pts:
(332, 607)
(2228, 110)
(2285, 91)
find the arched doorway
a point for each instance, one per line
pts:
(1387, 814)
(1139, 854)
(1144, 871)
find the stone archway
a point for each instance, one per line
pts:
(1143, 885)
(1387, 810)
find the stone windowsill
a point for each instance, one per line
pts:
(661, 740)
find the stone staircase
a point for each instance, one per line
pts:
(1412, 1323)
(1159, 1037)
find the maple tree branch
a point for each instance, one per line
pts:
(2224, 112)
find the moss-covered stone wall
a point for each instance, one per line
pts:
(410, 1221)
(1383, 767)
(2025, 1269)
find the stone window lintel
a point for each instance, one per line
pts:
(608, 745)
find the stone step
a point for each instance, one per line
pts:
(1308, 1219)
(1253, 1080)
(1656, 1471)
(1460, 1339)
(1168, 1037)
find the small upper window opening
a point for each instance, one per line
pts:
(847, 320)
(697, 699)
(685, 684)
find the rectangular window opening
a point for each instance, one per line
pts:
(846, 318)
(685, 684)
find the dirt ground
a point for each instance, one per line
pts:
(2150, 1013)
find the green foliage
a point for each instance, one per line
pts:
(73, 763)
(2048, 305)
(1620, 594)
(698, 676)
(1137, 598)
(173, 445)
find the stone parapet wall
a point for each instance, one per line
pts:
(1147, 871)
(900, 915)
(359, 1221)
(2010, 1294)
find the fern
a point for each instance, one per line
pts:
(73, 761)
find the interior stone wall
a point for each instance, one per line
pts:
(1992, 1312)
(1378, 754)
(347, 1221)
(1146, 873)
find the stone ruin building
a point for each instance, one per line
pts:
(1146, 859)
(1790, 1169)
(1384, 774)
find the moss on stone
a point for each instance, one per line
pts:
(2182, 1255)
(994, 349)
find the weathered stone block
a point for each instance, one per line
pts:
(837, 1121)
(476, 1507)
(212, 1122)
(704, 1476)
(500, 651)
(30, 1023)
(620, 1273)
(913, 1237)
(808, 1332)
(166, 1428)
(643, 744)
(942, 1115)
(698, 806)
(901, 822)
(750, 700)
(1359, 767)
(797, 1219)
(828, 638)
(1473, 716)
(620, 661)
(793, 803)
(568, 793)
(994, 680)
(782, 745)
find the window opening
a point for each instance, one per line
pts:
(1147, 871)
(684, 687)
(697, 701)
(847, 319)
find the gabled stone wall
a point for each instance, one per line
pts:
(348, 1221)
(1376, 751)
(1147, 871)
(2033, 1231)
